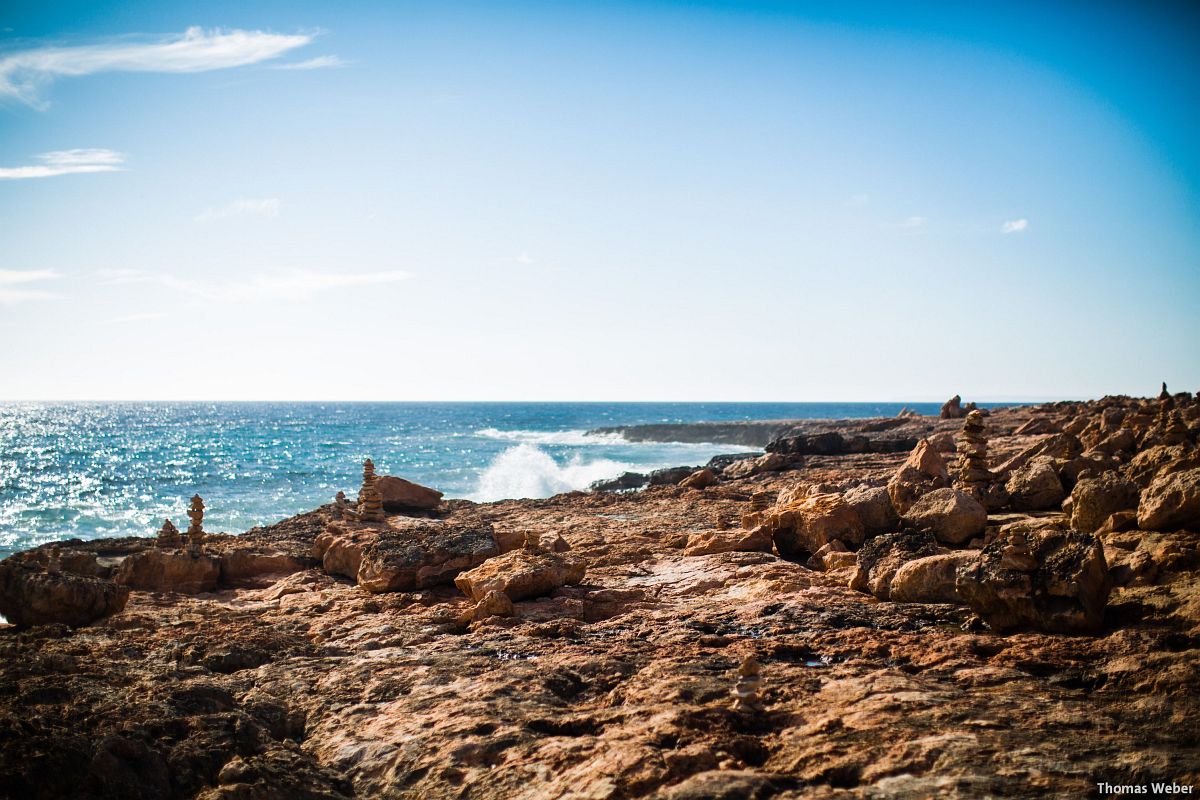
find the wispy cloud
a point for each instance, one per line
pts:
(26, 73)
(274, 285)
(66, 162)
(242, 207)
(913, 222)
(320, 62)
(1014, 226)
(524, 259)
(11, 281)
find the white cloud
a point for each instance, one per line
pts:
(276, 285)
(913, 222)
(524, 258)
(242, 207)
(320, 62)
(1014, 226)
(67, 162)
(10, 278)
(24, 74)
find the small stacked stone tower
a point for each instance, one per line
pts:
(749, 681)
(195, 531)
(973, 474)
(196, 515)
(168, 535)
(370, 502)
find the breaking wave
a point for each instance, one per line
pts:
(528, 471)
(552, 437)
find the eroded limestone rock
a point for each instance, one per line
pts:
(1050, 580)
(924, 471)
(182, 571)
(1172, 500)
(404, 553)
(881, 558)
(1094, 500)
(803, 527)
(29, 595)
(951, 515)
(1035, 486)
(398, 494)
(521, 574)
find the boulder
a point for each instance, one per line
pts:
(1060, 446)
(700, 479)
(1171, 501)
(770, 462)
(1035, 486)
(881, 558)
(1051, 580)
(1094, 500)
(804, 527)
(622, 483)
(943, 442)
(722, 462)
(924, 471)
(931, 579)
(953, 409)
(952, 516)
(31, 596)
(703, 543)
(521, 574)
(669, 475)
(401, 495)
(157, 570)
(1037, 425)
(405, 553)
(828, 555)
(494, 604)
(1149, 463)
(874, 507)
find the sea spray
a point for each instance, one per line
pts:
(528, 471)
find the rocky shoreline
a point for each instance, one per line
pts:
(1002, 605)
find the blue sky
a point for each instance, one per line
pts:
(637, 201)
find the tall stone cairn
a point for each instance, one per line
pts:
(973, 474)
(168, 535)
(195, 531)
(196, 515)
(370, 501)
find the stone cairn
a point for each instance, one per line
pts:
(973, 474)
(1017, 554)
(195, 531)
(370, 501)
(341, 507)
(749, 681)
(168, 535)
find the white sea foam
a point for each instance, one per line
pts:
(578, 437)
(528, 471)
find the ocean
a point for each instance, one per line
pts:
(89, 470)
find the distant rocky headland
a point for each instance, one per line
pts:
(984, 603)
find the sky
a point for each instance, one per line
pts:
(598, 201)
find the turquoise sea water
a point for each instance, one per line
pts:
(117, 469)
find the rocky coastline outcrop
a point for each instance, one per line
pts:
(847, 621)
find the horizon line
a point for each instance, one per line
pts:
(992, 401)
